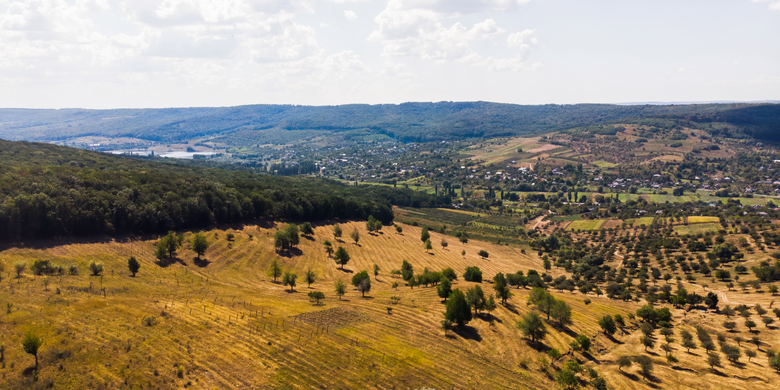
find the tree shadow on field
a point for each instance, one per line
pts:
(510, 307)
(346, 270)
(29, 371)
(202, 262)
(613, 339)
(718, 373)
(537, 346)
(309, 238)
(290, 253)
(568, 331)
(629, 375)
(468, 333)
(169, 261)
(488, 317)
(739, 365)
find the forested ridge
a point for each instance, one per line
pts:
(52, 191)
(405, 122)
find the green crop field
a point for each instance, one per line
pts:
(697, 228)
(566, 217)
(647, 221)
(594, 224)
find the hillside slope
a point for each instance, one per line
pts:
(405, 122)
(222, 322)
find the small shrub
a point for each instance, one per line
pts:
(587, 301)
(150, 321)
(73, 269)
(19, 268)
(96, 268)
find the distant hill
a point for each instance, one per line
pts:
(405, 122)
(51, 191)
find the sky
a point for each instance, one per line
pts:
(188, 53)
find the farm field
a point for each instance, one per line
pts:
(697, 228)
(647, 221)
(585, 224)
(700, 219)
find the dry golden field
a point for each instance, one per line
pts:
(223, 323)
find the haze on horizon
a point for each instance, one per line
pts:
(178, 53)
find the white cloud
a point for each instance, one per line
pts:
(773, 4)
(406, 31)
(396, 71)
(764, 79)
(351, 15)
(460, 7)
(523, 39)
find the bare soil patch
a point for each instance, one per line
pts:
(543, 148)
(336, 316)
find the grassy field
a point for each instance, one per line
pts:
(222, 322)
(594, 224)
(566, 217)
(647, 221)
(230, 326)
(604, 164)
(697, 228)
(473, 214)
(700, 219)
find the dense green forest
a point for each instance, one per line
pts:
(52, 191)
(404, 122)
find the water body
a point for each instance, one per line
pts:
(184, 155)
(133, 152)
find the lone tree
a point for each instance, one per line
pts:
(624, 361)
(359, 277)
(428, 245)
(376, 272)
(341, 257)
(607, 325)
(645, 365)
(19, 268)
(364, 286)
(328, 248)
(199, 244)
(276, 269)
(444, 289)
(501, 287)
(581, 343)
(289, 279)
(337, 231)
(458, 310)
(532, 326)
(341, 288)
(306, 229)
(483, 254)
(309, 277)
(425, 236)
(31, 343)
(133, 265)
(355, 236)
(316, 296)
(96, 268)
